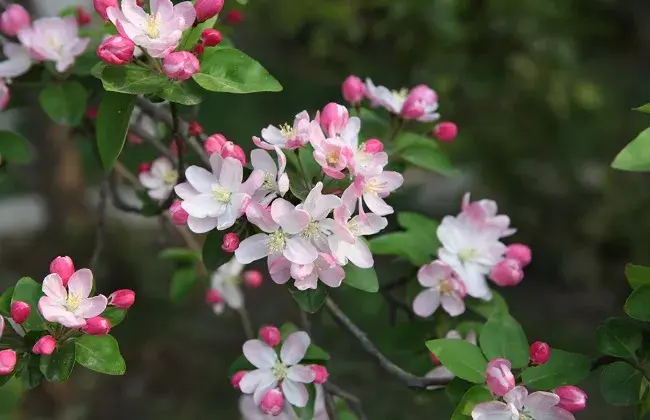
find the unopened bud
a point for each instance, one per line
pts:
(333, 118)
(211, 37)
(180, 65)
(572, 398)
(507, 272)
(236, 378)
(14, 19)
(64, 267)
(116, 50)
(212, 297)
(144, 167)
(230, 242)
(195, 129)
(97, 325)
(519, 252)
(445, 131)
(373, 146)
(435, 359)
(45, 345)
(102, 5)
(83, 17)
(214, 144)
(234, 17)
(353, 90)
(253, 278)
(232, 150)
(206, 9)
(178, 213)
(499, 377)
(123, 298)
(272, 402)
(20, 311)
(321, 374)
(540, 352)
(198, 49)
(270, 335)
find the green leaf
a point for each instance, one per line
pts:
(113, 125)
(643, 108)
(463, 359)
(402, 244)
(183, 282)
(620, 384)
(30, 372)
(64, 102)
(637, 275)
(132, 79)
(114, 315)
(372, 125)
(619, 337)
(100, 354)
(230, 70)
(637, 305)
(476, 394)
(456, 389)
(486, 309)
(213, 255)
(644, 405)
(191, 37)
(241, 363)
(636, 155)
(563, 368)
(27, 290)
(361, 278)
(184, 93)
(417, 222)
(423, 152)
(502, 336)
(14, 148)
(307, 412)
(5, 302)
(310, 300)
(180, 255)
(6, 378)
(58, 366)
(312, 169)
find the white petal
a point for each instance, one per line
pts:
(493, 410)
(200, 179)
(426, 302)
(249, 382)
(299, 251)
(231, 174)
(359, 254)
(296, 393)
(377, 204)
(201, 225)
(233, 296)
(266, 384)
(453, 305)
(262, 160)
(203, 205)
(53, 288)
(294, 348)
(81, 283)
(259, 354)
(253, 248)
(301, 373)
(185, 190)
(91, 307)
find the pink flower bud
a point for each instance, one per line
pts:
(333, 118)
(353, 89)
(8, 361)
(123, 298)
(253, 278)
(20, 311)
(572, 398)
(419, 99)
(198, 49)
(321, 374)
(236, 378)
(214, 144)
(435, 359)
(206, 9)
(445, 131)
(83, 17)
(102, 5)
(211, 37)
(507, 272)
(498, 377)
(144, 167)
(97, 325)
(14, 19)
(272, 402)
(45, 345)
(373, 146)
(232, 150)
(92, 112)
(540, 352)
(180, 65)
(195, 129)
(519, 252)
(234, 17)
(230, 242)
(64, 267)
(212, 297)
(116, 50)
(178, 213)
(270, 335)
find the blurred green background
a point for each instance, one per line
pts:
(541, 91)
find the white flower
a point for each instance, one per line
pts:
(276, 181)
(160, 179)
(442, 288)
(318, 206)
(441, 372)
(225, 281)
(391, 100)
(272, 371)
(54, 39)
(286, 136)
(158, 32)
(372, 187)
(213, 199)
(471, 252)
(18, 60)
(520, 405)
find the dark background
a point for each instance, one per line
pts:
(541, 91)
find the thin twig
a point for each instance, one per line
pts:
(353, 401)
(155, 142)
(409, 379)
(101, 223)
(246, 323)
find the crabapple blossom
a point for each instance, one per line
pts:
(20, 311)
(483, 215)
(73, 306)
(45, 345)
(443, 288)
(97, 325)
(116, 50)
(214, 144)
(420, 104)
(64, 267)
(334, 118)
(353, 90)
(572, 398)
(373, 186)
(507, 272)
(225, 282)
(276, 180)
(253, 278)
(519, 252)
(178, 214)
(180, 65)
(540, 352)
(101, 7)
(391, 100)
(270, 335)
(286, 136)
(54, 39)
(8, 361)
(440, 371)
(230, 242)
(520, 405)
(273, 371)
(13, 19)
(336, 153)
(158, 32)
(234, 151)
(18, 60)
(123, 298)
(445, 131)
(206, 9)
(272, 402)
(215, 199)
(236, 378)
(325, 268)
(160, 180)
(321, 374)
(499, 377)
(211, 37)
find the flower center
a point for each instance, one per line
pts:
(221, 194)
(72, 302)
(277, 242)
(312, 231)
(466, 254)
(170, 177)
(446, 287)
(374, 186)
(152, 27)
(332, 158)
(279, 371)
(288, 132)
(400, 94)
(269, 181)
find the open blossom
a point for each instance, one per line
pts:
(520, 405)
(70, 306)
(325, 268)
(337, 152)
(483, 215)
(214, 199)
(391, 100)
(17, 63)
(283, 371)
(276, 180)
(442, 288)
(158, 32)
(54, 39)
(286, 136)
(421, 104)
(160, 180)
(373, 186)
(226, 283)
(441, 372)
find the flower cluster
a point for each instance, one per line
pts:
(471, 250)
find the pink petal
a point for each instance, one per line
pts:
(333, 276)
(54, 312)
(53, 288)
(259, 354)
(294, 348)
(300, 251)
(185, 13)
(252, 248)
(426, 302)
(301, 373)
(279, 268)
(81, 283)
(295, 393)
(453, 305)
(91, 307)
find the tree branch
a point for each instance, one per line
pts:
(101, 223)
(353, 401)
